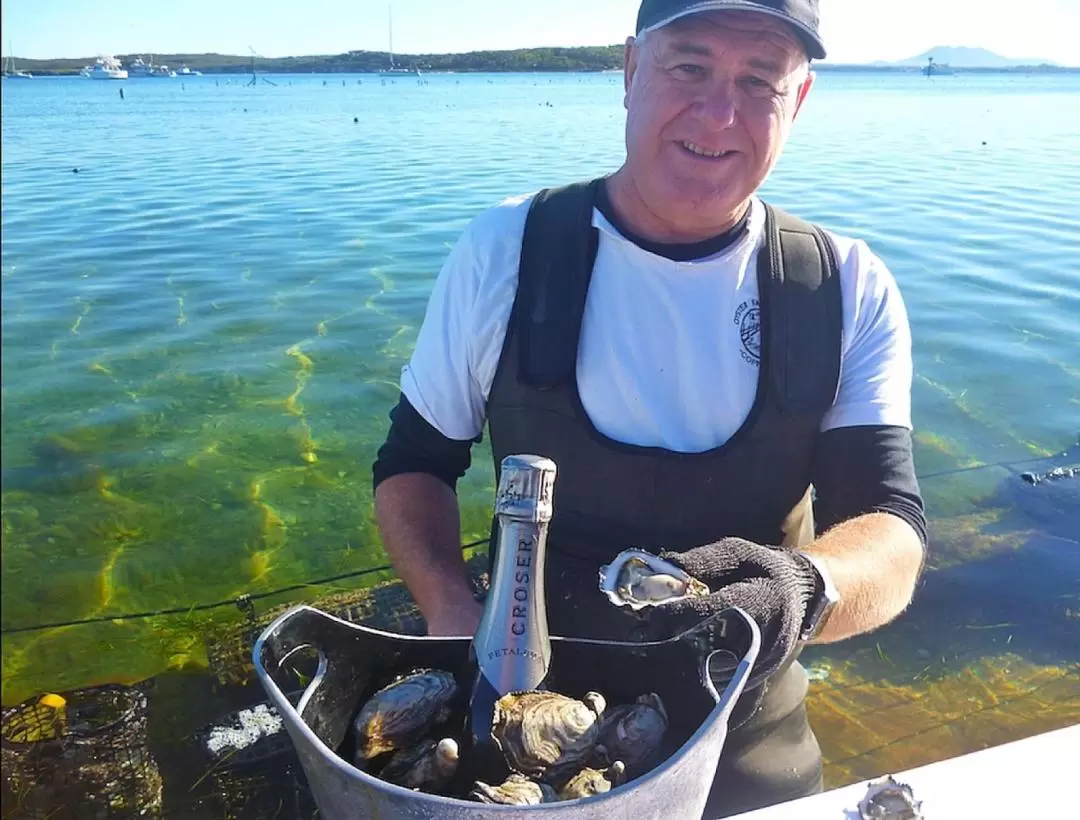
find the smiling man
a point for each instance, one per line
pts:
(717, 380)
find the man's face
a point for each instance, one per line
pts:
(710, 101)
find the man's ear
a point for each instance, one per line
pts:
(804, 91)
(630, 61)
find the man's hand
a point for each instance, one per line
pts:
(773, 586)
(456, 620)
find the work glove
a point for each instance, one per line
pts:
(773, 586)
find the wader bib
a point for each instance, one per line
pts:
(610, 495)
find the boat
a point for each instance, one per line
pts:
(141, 68)
(937, 69)
(105, 68)
(138, 68)
(12, 73)
(395, 70)
(977, 784)
(184, 71)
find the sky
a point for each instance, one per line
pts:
(854, 30)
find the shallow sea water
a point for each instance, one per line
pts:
(204, 325)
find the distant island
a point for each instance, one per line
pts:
(966, 57)
(587, 58)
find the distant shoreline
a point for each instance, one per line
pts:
(535, 60)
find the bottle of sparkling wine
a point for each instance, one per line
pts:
(511, 650)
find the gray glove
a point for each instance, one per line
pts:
(774, 586)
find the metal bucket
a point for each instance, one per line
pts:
(687, 672)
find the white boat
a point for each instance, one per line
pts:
(140, 68)
(395, 70)
(105, 68)
(1028, 778)
(184, 71)
(12, 73)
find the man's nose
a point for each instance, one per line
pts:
(717, 106)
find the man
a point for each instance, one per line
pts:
(694, 362)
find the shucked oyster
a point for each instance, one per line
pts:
(541, 733)
(516, 790)
(400, 713)
(887, 799)
(589, 782)
(632, 732)
(427, 766)
(639, 579)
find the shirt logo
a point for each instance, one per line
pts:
(748, 321)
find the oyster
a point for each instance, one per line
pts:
(589, 782)
(516, 790)
(639, 579)
(887, 799)
(427, 766)
(402, 712)
(633, 732)
(541, 733)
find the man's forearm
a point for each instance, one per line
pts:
(875, 561)
(420, 524)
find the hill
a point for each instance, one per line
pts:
(587, 58)
(966, 57)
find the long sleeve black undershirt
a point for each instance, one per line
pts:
(855, 471)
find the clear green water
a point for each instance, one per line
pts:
(203, 330)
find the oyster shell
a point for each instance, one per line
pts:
(516, 790)
(632, 732)
(402, 712)
(427, 766)
(541, 733)
(589, 782)
(888, 799)
(639, 579)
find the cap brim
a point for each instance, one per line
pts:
(815, 48)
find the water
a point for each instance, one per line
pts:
(204, 325)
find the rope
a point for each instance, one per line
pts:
(242, 602)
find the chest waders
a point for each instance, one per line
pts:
(612, 495)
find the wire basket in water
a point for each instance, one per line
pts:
(388, 606)
(82, 754)
(253, 767)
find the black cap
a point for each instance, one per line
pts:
(802, 14)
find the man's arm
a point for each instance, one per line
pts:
(871, 512)
(416, 507)
(420, 524)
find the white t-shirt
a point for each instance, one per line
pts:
(668, 355)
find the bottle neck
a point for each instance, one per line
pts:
(512, 645)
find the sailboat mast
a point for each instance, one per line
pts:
(390, 9)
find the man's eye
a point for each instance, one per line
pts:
(690, 69)
(758, 83)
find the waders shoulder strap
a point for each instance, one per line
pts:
(802, 314)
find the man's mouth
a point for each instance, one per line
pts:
(697, 150)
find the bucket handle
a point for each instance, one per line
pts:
(316, 679)
(741, 675)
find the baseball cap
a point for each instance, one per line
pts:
(802, 14)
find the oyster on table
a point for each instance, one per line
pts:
(402, 712)
(516, 790)
(589, 781)
(632, 732)
(639, 579)
(542, 733)
(427, 766)
(888, 799)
